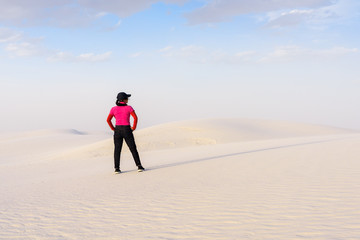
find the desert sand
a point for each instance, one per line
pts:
(204, 179)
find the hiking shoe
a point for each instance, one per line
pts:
(140, 168)
(117, 171)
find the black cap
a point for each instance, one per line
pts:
(121, 96)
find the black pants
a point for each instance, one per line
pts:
(121, 133)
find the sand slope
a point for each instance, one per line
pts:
(276, 181)
(212, 132)
(33, 146)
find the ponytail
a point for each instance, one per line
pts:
(118, 103)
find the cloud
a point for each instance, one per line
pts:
(123, 8)
(291, 53)
(290, 18)
(336, 52)
(336, 13)
(22, 12)
(135, 55)
(222, 10)
(69, 13)
(17, 44)
(245, 54)
(61, 56)
(199, 54)
(295, 53)
(91, 57)
(165, 49)
(9, 35)
(23, 49)
(85, 57)
(191, 51)
(114, 27)
(101, 14)
(75, 13)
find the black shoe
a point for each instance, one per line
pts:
(117, 171)
(140, 168)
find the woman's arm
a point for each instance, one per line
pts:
(109, 121)
(133, 114)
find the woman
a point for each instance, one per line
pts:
(123, 130)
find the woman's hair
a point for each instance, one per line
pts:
(118, 103)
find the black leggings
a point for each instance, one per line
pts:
(121, 133)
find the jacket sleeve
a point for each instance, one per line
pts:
(109, 121)
(133, 114)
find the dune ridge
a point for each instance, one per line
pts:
(184, 134)
(213, 131)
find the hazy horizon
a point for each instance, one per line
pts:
(62, 63)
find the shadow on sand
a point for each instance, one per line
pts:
(241, 153)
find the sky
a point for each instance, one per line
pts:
(62, 62)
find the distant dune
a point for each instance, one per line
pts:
(218, 131)
(213, 131)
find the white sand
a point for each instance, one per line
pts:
(205, 179)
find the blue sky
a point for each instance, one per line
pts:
(62, 62)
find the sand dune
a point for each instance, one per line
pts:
(211, 132)
(23, 147)
(205, 179)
